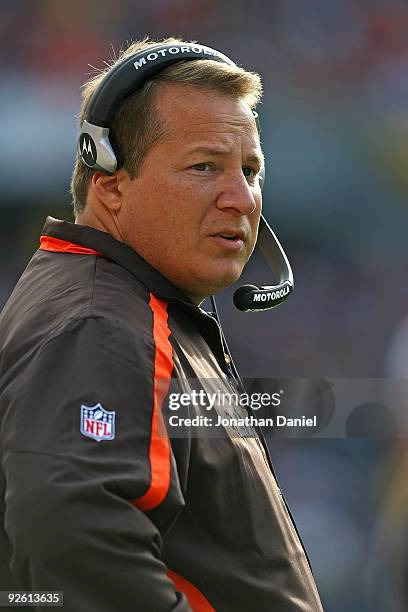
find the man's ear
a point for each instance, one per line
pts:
(110, 189)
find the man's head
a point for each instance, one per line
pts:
(187, 196)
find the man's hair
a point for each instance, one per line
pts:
(137, 126)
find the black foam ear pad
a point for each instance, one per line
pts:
(116, 149)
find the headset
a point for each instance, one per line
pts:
(98, 151)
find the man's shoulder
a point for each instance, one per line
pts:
(119, 295)
(59, 293)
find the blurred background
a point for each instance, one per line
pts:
(335, 136)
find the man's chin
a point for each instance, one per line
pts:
(199, 282)
(217, 283)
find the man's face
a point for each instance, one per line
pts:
(193, 212)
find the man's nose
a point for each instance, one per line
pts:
(236, 194)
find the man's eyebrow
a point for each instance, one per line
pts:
(255, 158)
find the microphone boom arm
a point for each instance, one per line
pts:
(253, 298)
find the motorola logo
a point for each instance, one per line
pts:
(274, 295)
(165, 51)
(87, 149)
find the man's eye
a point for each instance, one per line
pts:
(248, 172)
(202, 167)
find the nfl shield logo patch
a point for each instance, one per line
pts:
(97, 423)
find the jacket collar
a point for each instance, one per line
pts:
(118, 252)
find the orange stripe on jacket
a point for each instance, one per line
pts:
(49, 243)
(159, 451)
(197, 601)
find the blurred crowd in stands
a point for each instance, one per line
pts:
(335, 135)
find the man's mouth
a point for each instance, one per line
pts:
(229, 240)
(229, 236)
(232, 233)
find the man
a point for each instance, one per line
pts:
(103, 499)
